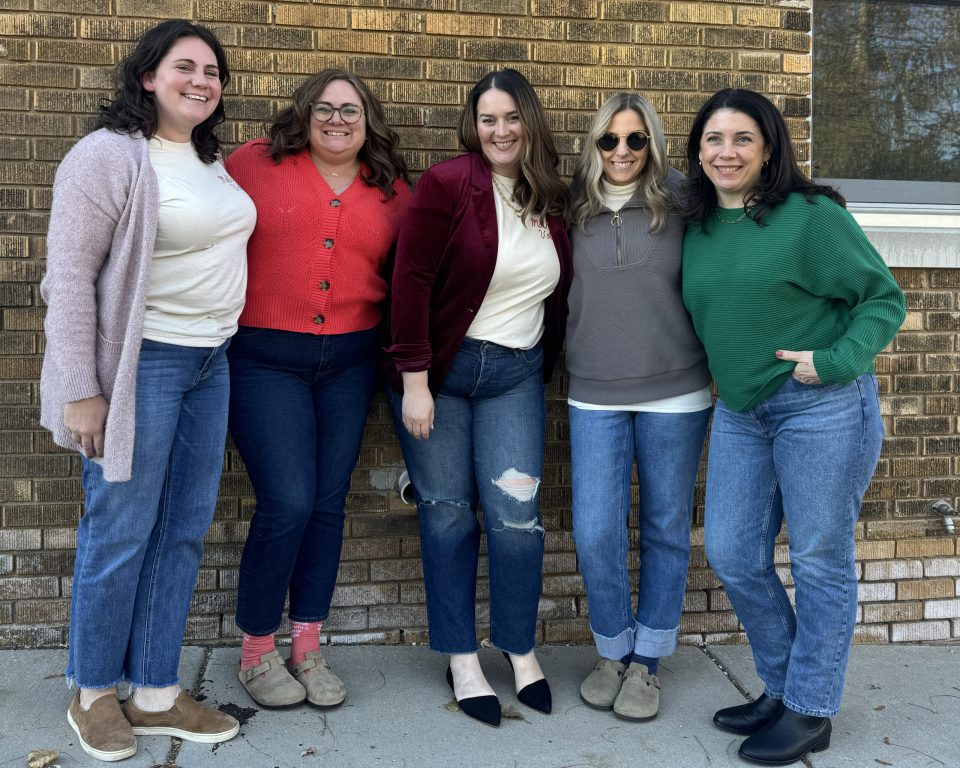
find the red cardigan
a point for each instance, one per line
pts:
(316, 260)
(446, 254)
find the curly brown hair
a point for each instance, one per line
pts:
(289, 131)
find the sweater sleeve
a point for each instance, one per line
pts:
(83, 218)
(849, 269)
(421, 243)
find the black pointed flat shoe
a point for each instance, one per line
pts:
(536, 695)
(486, 709)
(787, 738)
(749, 718)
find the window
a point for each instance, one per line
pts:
(886, 100)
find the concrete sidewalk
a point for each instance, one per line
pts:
(901, 708)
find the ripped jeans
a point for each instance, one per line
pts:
(487, 445)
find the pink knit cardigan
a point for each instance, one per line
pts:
(103, 225)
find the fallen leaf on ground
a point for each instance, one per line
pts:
(42, 758)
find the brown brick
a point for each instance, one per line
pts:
(700, 13)
(496, 50)
(920, 631)
(925, 547)
(700, 58)
(607, 77)
(759, 62)
(758, 17)
(633, 56)
(635, 10)
(666, 34)
(37, 25)
(218, 10)
(288, 37)
(715, 81)
(529, 29)
(425, 46)
(311, 16)
(577, 9)
(890, 612)
(114, 29)
(460, 25)
(599, 32)
(564, 53)
(790, 41)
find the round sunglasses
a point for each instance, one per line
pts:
(636, 140)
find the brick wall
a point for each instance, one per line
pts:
(421, 56)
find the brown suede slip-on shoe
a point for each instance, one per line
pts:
(186, 719)
(103, 731)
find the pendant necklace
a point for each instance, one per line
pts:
(506, 195)
(737, 220)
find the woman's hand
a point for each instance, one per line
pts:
(417, 407)
(804, 372)
(86, 419)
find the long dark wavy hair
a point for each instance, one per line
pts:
(289, 131)
(779, 176)
(133, 109)
(539, 190)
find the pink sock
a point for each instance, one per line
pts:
(253, 647)
(305, 637)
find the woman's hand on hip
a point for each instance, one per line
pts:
(804, 371)
(85, 420)
(417, 407)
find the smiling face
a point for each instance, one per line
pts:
(500, 131)
(622, 165)
(336, 142)
(732, 152)
(186, 88)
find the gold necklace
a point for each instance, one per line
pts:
(506, 195)
(737, 220)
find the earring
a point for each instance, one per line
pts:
(766, 163)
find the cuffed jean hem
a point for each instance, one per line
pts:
(264, 633)
(615, 647)
(655, 643)
(72, 682)
(135, 684)
(807, 711)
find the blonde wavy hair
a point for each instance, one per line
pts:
(586, 192)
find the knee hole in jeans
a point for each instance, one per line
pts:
(522, 488)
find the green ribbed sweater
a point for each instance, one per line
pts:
(807, 280)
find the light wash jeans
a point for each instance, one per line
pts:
(487, 441)
(667, 449)
(298, 405)
(139, 542)
(806, 455)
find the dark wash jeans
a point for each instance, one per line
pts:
(297, 410)
(487, 445)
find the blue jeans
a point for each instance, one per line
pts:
(298, 406)
(805, 455)
(139, 542)
(667, 449)
(488, 433)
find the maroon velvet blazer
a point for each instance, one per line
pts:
(446, 254)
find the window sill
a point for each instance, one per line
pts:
(912, 235)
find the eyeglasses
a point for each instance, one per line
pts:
(636, 140)
(349, 113)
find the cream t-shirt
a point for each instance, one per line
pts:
(198, 276)
(526, 273)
